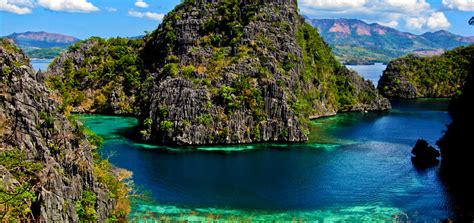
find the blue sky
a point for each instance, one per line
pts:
(109, 18)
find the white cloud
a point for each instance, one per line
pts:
(413, 14)
(435, 20)
(381, 5)
(461, 5)
(333, 4)
(27, 3)
(416, 22)
(141, 4)
(438, 20)
(111, 9)
(147, 15)
(14, 7)
(392, 23)
(68, 5)
(403, 6)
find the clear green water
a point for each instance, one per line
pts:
(355, 167)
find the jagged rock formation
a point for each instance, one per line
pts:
(424, 155)
(99, 76)
(437, 76)
(242, 71)
(46, 163)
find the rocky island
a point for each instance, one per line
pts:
(216, 72)
(226, 72)
(49, 167)
(427, 77)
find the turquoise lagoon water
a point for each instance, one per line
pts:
(355, 167)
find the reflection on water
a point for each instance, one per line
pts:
(355, 166)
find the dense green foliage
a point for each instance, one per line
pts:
(46, 53)
(334, 82)
(16, 198)
(437, 76)
(106, 72)
(116, 180)
(85, 207)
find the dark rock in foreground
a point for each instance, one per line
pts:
(423, 150)
(46, 163)
(424, 154)
(457, 153)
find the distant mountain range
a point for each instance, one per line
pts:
(356, 42)
(352, 40)
(42, 39)
(42, 44)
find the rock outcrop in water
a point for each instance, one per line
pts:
(46, 164)
(424, 155)
(437, 76)
(240, 71)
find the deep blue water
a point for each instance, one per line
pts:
(369, 72)
(356, 166)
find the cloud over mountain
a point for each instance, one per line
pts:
(146, 15)
(25, 6)
(413, 14)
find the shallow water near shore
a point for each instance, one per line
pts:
(355, 167)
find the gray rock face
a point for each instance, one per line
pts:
(32, 124)
(394, 84)
(248, 75)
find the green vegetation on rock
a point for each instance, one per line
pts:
(46, 53)
(437, 76)
(48, 159)
(18, 175)
(97, 75)
(242, 72)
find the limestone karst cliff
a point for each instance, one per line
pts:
(47, 169)
(242, 71)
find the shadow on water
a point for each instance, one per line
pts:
(423, 165)
(456, 173)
